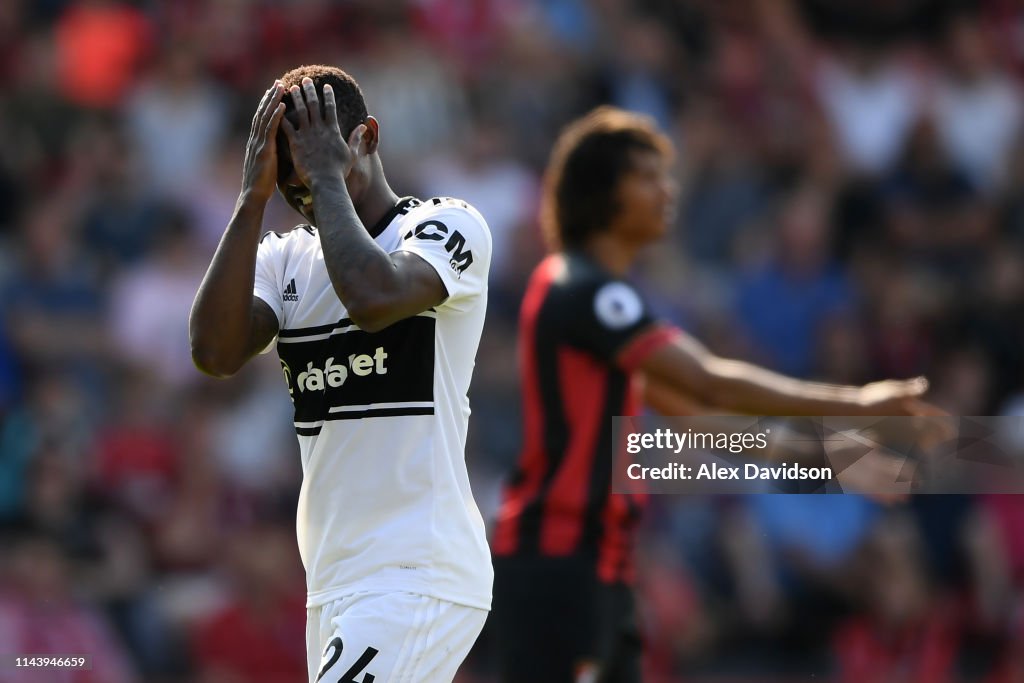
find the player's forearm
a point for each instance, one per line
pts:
(363, 275)
(220, 324)
(750, 389)
(683, 412)
(668, 401)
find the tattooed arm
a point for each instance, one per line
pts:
(377, 288)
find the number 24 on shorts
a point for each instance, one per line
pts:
(354, 670)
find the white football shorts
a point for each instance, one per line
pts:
(393, 637)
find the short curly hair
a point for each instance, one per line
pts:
(347, 95)
(589, 159)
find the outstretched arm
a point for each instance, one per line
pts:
(878, 474)
(228, 325)
(666, 400)
(688, 367)
(377, 288)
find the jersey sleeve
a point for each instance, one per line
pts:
(268, 283)
(454, 239)
(613, 321)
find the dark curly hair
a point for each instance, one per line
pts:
(587, 163)
(347, 95)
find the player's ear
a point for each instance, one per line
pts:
(371, 136)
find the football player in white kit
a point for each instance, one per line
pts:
(376, 306)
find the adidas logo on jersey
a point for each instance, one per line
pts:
(290, 293)
(334, 375)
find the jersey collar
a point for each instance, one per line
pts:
(385, 220)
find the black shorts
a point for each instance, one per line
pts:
(551, 614)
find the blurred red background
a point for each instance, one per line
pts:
(852, 209)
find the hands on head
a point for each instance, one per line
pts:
(315, 140)
(259, 170)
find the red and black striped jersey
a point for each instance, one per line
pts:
(582, 332)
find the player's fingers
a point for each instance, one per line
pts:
(931, 425)
(300, 106)
(270, 107)
(275, 98)
(926, 409)
(312, 101)
(331, 106)
(287, 127)
(355, 140)
(274, 122)
(917, 386)
(259, 111)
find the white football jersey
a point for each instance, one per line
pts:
(381, 418)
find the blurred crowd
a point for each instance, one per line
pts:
(851, 209)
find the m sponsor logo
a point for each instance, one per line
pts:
(436, 231)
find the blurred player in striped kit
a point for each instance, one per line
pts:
(589, 350)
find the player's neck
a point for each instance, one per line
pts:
(376, 201)
(616, 255)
